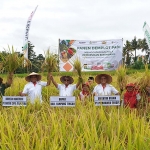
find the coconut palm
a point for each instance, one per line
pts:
(144, 47)
(135, 45)
(126, 52)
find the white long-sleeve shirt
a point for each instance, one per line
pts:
(34, 91)
(108, 90)
(66, 91)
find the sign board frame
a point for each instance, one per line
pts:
(113, 100)
(62, 101)
(14, 101)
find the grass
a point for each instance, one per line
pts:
(84, 127)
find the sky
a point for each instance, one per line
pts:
(71, 19)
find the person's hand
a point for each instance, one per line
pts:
(80, 79)
(117, 93)
(138, 97)
(20, 93)
(51, 77)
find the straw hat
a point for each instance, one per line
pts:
(98, 78)
(70, 78)
(130, 85)
(27, 78)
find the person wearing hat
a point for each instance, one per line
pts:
(34, 87)
(103, 86)
(66, 88)
(131, 96)
(85, 93)
(4, 86)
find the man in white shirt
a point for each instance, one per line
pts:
(33, 89)
(67, 88)
(103, 86)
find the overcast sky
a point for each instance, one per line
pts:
(71, 19)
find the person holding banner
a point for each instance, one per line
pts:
(66, 88)
(33, 89)
(4, 86)
(103, 86)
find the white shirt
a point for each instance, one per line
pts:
(108, 90)
(34, 91)
(66, 91)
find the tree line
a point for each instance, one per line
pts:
(131, 47)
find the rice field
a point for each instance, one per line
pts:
(84, 127)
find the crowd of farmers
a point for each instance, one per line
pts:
(33, 89)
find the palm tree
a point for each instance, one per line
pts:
(135, 45)
(126, 52)
(144, 47)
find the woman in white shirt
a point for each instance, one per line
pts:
(103, 86)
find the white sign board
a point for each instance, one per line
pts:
(61, 101)
(107, 100)
(14, 101)
(105, 55)
(146, 30)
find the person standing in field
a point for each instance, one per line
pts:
(91, 84)
(4, 86)
(33, 89)
(90, 81)
(131, 96)
(85, 93)
(103, 86)
(66, 88)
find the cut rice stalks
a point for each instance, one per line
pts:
(11, 60)
(121, 78)
(78, 67)
(51, 62)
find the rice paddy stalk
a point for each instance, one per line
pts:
(121, 78)
(78, 68)
(12, 60)
(51, 63)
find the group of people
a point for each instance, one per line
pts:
(33, 89)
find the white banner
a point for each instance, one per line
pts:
(25, 44)
(61, 101)
(107, 100)
(94, 55)
(14, 101)
(146, 30)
